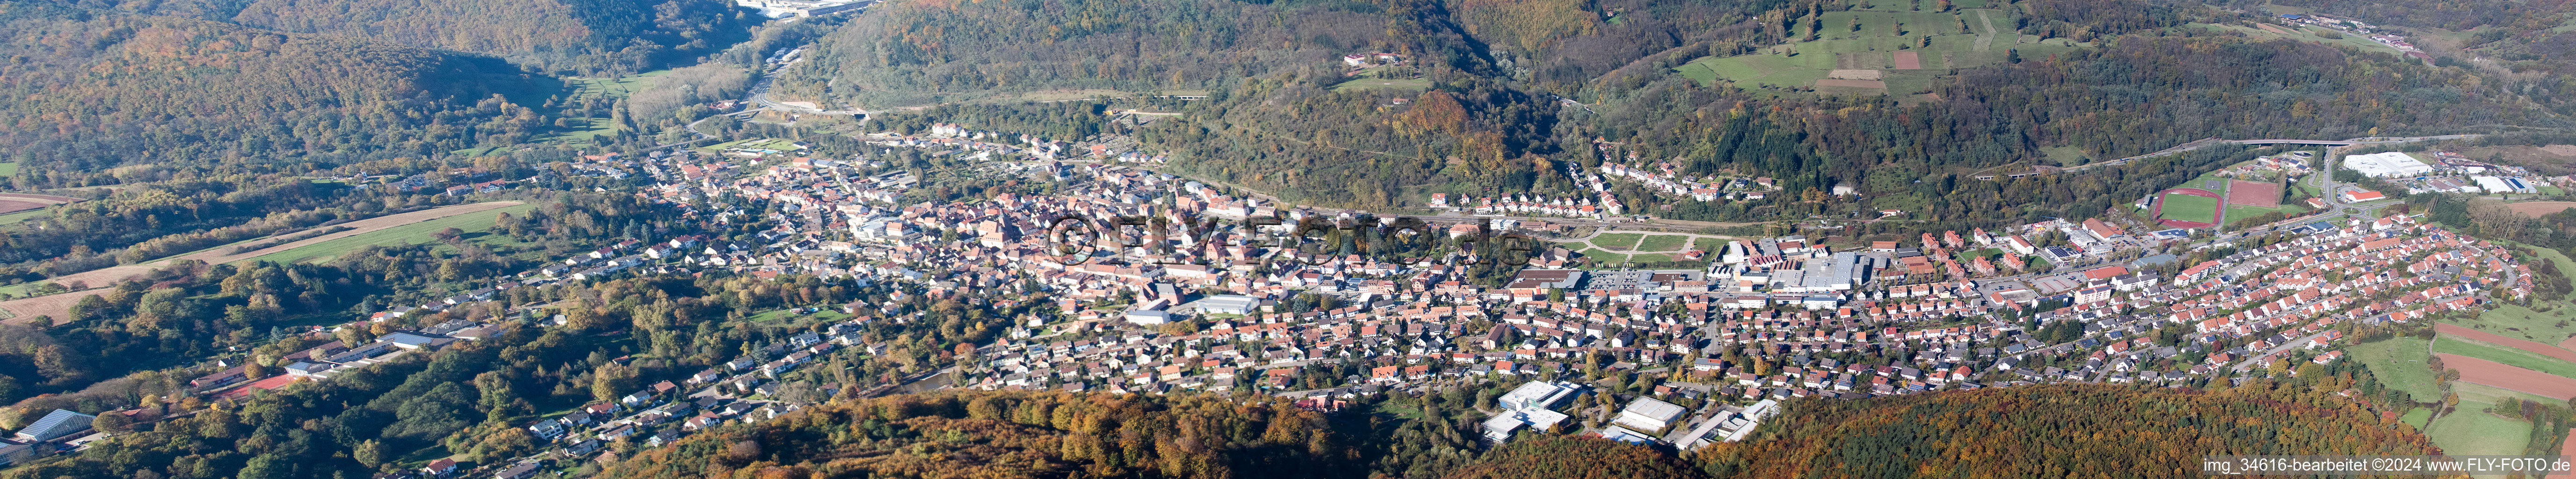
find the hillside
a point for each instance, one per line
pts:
(1006, 435)
(2134, 94)
(912, 53)
(1989, 433)
(86, 91)
(588, 37)
(2051, 431)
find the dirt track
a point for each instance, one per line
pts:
(59, 305)
(2496, 374)
(2492, 338)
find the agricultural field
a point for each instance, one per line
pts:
(2519, 322)
(2399, 363)
(2447, 344)
(2535, 209)
(1884, 48)
(2182, 207)
(414, 233)
(9, 169)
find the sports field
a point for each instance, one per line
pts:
(2183, 207)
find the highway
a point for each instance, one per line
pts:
(2206, 142)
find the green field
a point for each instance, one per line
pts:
(2306, 34)
(2509, 356)
(2470, 430)
(1600, 257)
(9, 169)
(754, 143)
(2515, 321)
(2399, 364)
(1663, 243)
(415, 233)
(609, 89)
(2495, 395)
(1395, 84)
(2190, 208)
(1960, 39)
(2416, 417)
(14, 218)
(2064, 155)
(1618, 241)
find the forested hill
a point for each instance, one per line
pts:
(2138, 94)
(2036, 431)
(914, 53)
(921, 52)
(83, 91)
(1016, 435)
(589, 37)
(2054, 431)
(2527, 41)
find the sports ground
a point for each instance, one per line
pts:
(2189, 208)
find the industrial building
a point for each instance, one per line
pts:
(2386, 165)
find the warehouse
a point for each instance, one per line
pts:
(2386, 165)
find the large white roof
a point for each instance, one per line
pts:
(2387, 164)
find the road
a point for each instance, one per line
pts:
(2206, 142)
(760, 96)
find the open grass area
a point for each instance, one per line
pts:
(2516, 321)
(2305, 34)
(415, 233)
(22, 216)
(9, 169)
(609, 89)
(1618, 241)
(1864, 43)
(2064, 155)
(2508, 356)
(1393, 84)
(2469, 392)
(2416, 417)
(777, 144)
(2399, 364)
(2470, 430)
(826, 314)
(1663, 243)
(2190, 208)
(1603, 257)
